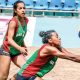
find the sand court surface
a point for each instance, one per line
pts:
(64, 69)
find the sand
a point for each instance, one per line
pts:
(64, 69)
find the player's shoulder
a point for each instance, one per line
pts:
(49, 47)
(13, 21)
(13, 24)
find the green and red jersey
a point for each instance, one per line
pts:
(18, 37)
(37, 65)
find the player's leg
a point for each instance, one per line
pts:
(18, 61)
(4, 66)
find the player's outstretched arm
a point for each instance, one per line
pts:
(64, 54)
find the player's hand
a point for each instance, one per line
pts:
(23, 50)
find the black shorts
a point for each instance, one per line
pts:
(23, 78)
(3, 52)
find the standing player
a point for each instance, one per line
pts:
(13, 46)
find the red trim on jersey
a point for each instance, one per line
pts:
(5, 42)
(6, 45)
(27, 20)
(33, 68)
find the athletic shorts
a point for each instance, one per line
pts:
(3, 52)
(23, 78)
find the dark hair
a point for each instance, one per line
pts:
(15, 6)
(46, 35)
(79, 34)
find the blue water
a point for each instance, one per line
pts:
(67, 28)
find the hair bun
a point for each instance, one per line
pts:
(42, 33)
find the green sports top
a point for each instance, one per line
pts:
(37, 65)
(20, 32)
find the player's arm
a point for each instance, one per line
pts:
(64, 55)
(66, 51)
(11, 32)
